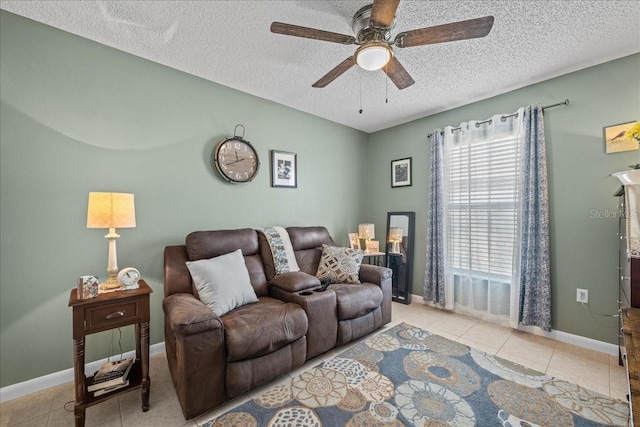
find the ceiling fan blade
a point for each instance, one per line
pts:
(335, 73)
(462, 30)
(398, 74)
(383, 12)
(310, 33)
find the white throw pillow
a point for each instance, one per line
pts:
(223, 282)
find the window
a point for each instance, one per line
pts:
(481, 173)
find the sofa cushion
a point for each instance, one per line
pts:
(213, 243)
(295, 281)
(222, 282)
(340, 265)
(356, 300)
(209, 244)
(307, 244)
(309, 237)
(258, 329)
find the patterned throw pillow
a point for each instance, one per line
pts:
(340, 265)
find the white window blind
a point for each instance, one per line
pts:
(481, 221)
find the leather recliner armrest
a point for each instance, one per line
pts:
(374, 274)
(187, 315)
(294, 281)
(380, 276)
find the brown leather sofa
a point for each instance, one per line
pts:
(213, 359)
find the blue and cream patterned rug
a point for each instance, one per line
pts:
(406, 376)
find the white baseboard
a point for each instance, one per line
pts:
(51, 380)
(577, 340)
(566, 337)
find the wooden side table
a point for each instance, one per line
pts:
(375, 258)
(102, 313)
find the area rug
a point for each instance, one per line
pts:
(406, 376)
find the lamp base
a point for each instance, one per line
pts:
(110, 284)
(395, 248)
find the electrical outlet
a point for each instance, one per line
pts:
(582, 295)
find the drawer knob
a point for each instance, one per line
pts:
(114, 315)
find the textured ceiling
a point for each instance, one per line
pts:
(229, 42)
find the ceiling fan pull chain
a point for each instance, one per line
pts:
(386, 84)
(360, 93)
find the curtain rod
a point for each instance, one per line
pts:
(565, 102)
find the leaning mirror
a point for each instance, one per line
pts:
(399, 253)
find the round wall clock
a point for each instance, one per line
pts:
(236, 160)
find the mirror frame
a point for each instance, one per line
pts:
(407, 286)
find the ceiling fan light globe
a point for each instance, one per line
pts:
(373, 56)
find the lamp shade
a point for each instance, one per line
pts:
(366, 231)
(373, 56)
(395, 234)
(111, 210)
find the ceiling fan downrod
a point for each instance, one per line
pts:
(367, 31)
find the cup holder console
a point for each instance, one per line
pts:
(323, 287)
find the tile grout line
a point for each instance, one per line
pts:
(549, 361)
(504, 343)
(50, 409)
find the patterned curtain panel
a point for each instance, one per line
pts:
(535, 283)
(434, 279)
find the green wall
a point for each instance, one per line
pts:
(76, 117)
(583, 245)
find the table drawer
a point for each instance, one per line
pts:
(112, 315)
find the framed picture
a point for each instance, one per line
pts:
(284, 169)
(401, 172)
(616, 141)
(373, 247)
(354, 241)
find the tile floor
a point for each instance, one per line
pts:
(591, 369)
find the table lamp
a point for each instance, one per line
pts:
(366, 232)
(395, 237)
(111, 210)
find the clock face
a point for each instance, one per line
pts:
(128, 276)
(236, 160)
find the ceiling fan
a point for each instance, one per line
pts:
(372, 26)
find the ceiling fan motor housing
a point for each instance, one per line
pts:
(366, 32)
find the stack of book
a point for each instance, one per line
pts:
(110, 377)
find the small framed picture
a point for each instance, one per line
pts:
(354, 241)
(87, 287)
(373, 247)
(616, 141)
(284, 169)
(401, 172)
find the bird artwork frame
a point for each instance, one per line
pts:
(616, 141)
